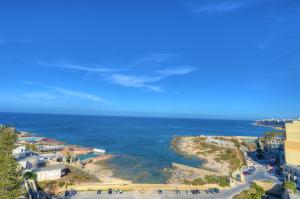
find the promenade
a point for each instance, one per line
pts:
(138, 187)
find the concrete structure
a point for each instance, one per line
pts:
(53, 172)
(18, 150)
(292, 143)
(21, 152)
(31, 162)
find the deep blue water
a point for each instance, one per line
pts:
(142, 143)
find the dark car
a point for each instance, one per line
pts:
(110, 191)
(99, 191)
(72, 192)
(216, 190)
(160, 191)
(211, 190)
(195, 191)
(178, 192)
(67, 193)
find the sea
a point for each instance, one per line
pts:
(141, 144)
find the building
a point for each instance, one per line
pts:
(20, 152)
(292, 173)
(31, 162)
(292, 143)
(274, 145)
(291, 170)
(53, 172)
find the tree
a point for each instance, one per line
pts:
(31, 147)
(259, 190)
(29, 175)
(10, 175)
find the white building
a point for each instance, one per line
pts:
(53, 172)
(31, 162)
(19, 151)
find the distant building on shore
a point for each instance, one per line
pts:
(291, 169)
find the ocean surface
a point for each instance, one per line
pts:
(142, 143)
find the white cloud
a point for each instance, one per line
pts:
(77, 94)
(41, 95)
(28, 82)
(144, 76)
(53, 92)
(134, 81)
(176, 71)
(221, 7)
(143, 81)
(75, 67)
(154, 58)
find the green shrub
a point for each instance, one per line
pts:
(29, 175)
(290, 186)
(198, 181)
(61, 184)
(223, 181)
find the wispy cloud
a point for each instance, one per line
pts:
(220, 7)
(42, 95)
(176, 71)
(154, 58)
(135, 81)
(75, 67)
(145, 81)
(53, 92)
(142, 74)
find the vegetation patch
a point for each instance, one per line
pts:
(222, 154)
(255, 192)
(10, 174)
(79, 175)
(222, 181)
(290, 186)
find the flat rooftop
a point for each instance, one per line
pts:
(51, 167)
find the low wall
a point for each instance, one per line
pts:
(130, 187)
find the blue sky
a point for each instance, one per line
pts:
(204, 58)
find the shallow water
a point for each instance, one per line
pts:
(142, 143)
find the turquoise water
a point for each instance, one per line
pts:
(142, 144)
(29, 138)
(87, 156)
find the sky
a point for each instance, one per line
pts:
(181, 58)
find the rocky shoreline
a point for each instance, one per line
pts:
(219, 154)
(94, 166)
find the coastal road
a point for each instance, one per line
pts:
(165, 195)
(258, 174)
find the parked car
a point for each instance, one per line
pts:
(72, 192)
(67, 193)
(110, 191)
(195, 191)
(188, 192)
(216, 190)
(160, 191)
(99, 191)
